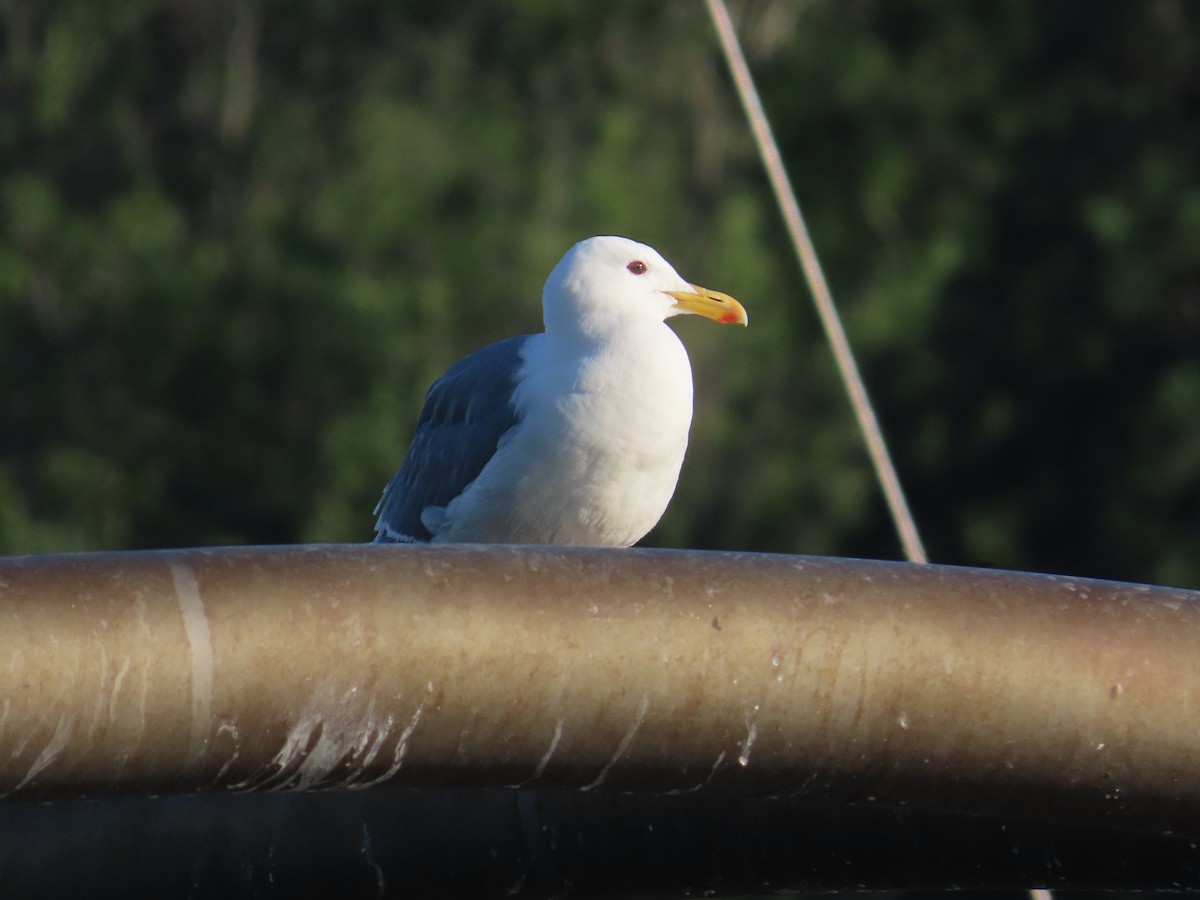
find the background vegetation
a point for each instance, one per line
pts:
(238, 240)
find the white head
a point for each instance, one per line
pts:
(604, 284)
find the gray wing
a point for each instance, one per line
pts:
(466, 412)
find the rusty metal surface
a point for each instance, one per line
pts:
(350, 666)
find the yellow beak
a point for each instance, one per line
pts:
(710, 304)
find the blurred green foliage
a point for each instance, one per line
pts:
(239, 240)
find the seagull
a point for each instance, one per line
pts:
(572, 436)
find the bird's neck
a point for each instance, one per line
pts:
(644, 357)
(589, 335)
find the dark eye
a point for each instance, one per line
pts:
(637, 267)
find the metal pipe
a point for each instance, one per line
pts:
(349, 666)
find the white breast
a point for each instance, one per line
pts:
(598, 453)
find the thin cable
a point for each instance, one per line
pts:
(885, 471)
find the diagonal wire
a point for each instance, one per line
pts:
(885, 471)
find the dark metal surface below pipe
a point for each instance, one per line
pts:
(535, 844)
